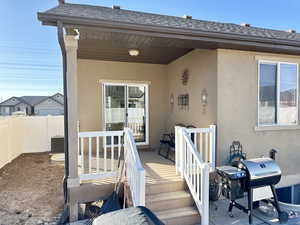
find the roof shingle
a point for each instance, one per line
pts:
(149, 19)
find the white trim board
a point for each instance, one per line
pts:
(105, 81)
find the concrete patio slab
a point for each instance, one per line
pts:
(220, 216)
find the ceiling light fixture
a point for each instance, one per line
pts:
(134, 52)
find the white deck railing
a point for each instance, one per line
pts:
(98, 154)
(204, 140)
(134, 171)
(195, 157)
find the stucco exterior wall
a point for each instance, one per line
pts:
(90, 72)
(202, 67)
(237, 110)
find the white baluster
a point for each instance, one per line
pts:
(112, 153)
(82, 153)
(201, 145)
(212, 152)
(119, 146)
(104, 149)
(97, 152)
(90, 155)
(206, 147)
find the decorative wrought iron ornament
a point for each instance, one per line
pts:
(185, 77)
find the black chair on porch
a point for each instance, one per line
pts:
(167, 142)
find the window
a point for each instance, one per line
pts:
(278, 94)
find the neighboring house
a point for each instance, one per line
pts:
(14, 104)
(241, 78)
(34, 105)
(50, 106)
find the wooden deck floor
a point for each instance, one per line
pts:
(157, 168)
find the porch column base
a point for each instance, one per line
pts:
(73, 211)
(73, 182)
(73, 203)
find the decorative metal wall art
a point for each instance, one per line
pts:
(183, 101)
(185, 77)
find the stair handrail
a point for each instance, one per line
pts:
(135, 172)
(194, 170)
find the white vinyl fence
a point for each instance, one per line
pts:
(24, 134)
(195, 158)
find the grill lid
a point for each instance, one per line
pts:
(261, 171)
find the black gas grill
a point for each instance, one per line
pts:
(256, 178)
(261, 172)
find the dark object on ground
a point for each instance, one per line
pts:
(91, 211)
(130, 216)
(64, 218)
(236, 153)
(214, 192)
(57, 144)
(111, 204)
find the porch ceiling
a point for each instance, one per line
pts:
(104, 44)
(114, 46)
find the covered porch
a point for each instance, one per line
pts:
(119, 106)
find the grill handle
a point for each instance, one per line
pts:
(272, 154)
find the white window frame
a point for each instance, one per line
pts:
(278, 63)
(127, 84)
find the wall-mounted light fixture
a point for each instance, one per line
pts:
(171, 99)
(133, 52)
(204, 96)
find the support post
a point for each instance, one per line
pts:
(71, 45)
(182, 152)
(205, 194)
(142, 188)
(212, 152)
(177, 150)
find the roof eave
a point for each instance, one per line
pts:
(170, 32)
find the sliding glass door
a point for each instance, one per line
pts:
(126, 105)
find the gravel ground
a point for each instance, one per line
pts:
(31, 190)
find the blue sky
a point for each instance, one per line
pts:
(30, 60)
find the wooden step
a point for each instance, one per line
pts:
(168, 200)
(179, 216)
(162, 187)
